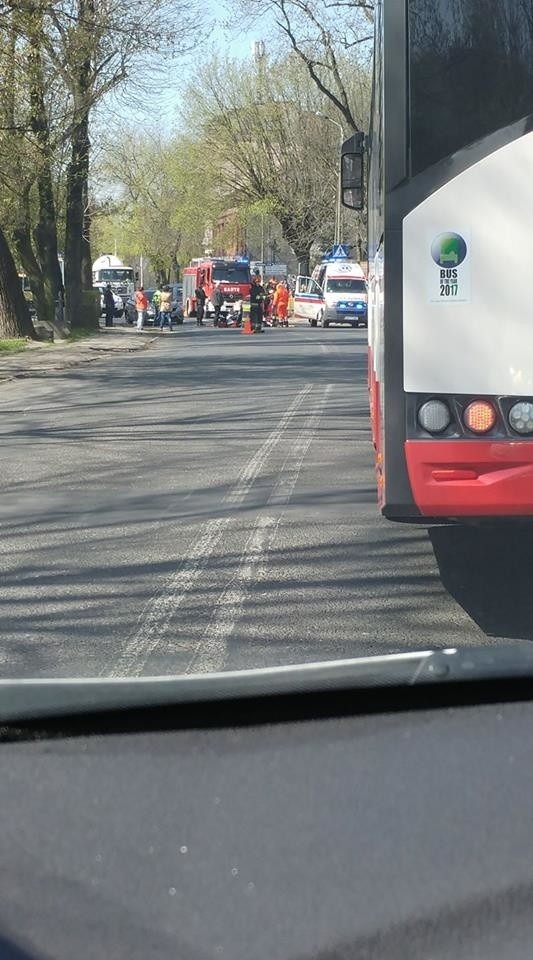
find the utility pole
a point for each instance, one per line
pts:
(338, 205)
(262, 248)
(259, 54)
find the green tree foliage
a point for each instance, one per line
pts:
(58, 61)
(166, 195)
(261, 123)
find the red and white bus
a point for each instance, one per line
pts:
(450, 257)
(232, 274)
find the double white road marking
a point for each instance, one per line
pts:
(157, 613)
(211, 653)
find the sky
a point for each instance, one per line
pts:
(236, 42)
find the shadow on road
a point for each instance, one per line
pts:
(489, 572)
(11, 951)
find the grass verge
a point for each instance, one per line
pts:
(16, 345)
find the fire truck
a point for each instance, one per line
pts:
(232, 274)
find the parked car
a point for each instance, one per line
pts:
(177, 293)
(177, 312)
(131, 310)
(149, 319)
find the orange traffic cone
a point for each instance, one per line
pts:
(247, 323)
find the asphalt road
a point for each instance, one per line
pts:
(209, 504)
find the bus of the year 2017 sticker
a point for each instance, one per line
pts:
(450, 252)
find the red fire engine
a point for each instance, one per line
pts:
(232, 273)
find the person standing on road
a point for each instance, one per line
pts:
(141, 306)
(257, 298)
(201, 297)
(218, 302)
(109, 305)
(268, 314)
(165, 308)
(156, 300)
(281, 303)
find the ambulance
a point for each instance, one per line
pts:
(335, 293)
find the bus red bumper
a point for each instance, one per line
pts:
(471, 478)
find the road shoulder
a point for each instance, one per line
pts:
(41, 358)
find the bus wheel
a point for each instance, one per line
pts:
(314, 322)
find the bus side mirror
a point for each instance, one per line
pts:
(352, 185)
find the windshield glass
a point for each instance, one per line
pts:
(114, 274)
(231, 274)
(203, 479)
(345, 285)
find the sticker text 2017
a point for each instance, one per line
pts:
(448, 282)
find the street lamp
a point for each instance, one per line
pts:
(259, 55)
(338, 212)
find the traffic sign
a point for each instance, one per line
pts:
(339, 252)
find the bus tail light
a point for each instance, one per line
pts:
(479, 416)
(434, 416)
(521, 417)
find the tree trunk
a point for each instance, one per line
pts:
(43, 297)
(15, 318)
(45, 237)
(303, 257)
(22, 241)
(77, 239)
(293, 232)
(303, 263)
(45, 231)
(77, 179)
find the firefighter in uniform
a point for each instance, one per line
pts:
(257, 299)
(201, 297)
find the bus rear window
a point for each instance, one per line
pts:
(470, 73)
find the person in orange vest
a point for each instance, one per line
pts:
(281, 303)
(141, 306)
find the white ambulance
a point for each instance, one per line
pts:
(335, 293)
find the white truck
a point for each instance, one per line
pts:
(110, 269)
